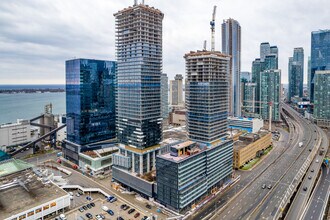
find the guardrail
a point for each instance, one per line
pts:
(296, 180)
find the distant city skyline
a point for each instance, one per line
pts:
(37, 37)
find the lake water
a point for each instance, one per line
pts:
(29, 105)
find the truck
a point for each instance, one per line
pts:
(301, 144)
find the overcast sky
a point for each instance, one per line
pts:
(37, 36)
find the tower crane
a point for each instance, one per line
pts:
(212, 23)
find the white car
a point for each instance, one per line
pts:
(317, 161)
(104, 208)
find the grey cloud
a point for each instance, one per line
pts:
(37, 36)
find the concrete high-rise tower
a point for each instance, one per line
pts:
(231, 45)
(164, 95)
(296, 73)
(176, 90)
(206, 95)
(139, 56)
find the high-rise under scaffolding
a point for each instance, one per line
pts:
(206, 95)
(139, 55)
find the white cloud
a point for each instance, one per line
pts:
(37, 36)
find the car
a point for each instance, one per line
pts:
(136, 215)
(92, 204)
(89, 206)
(81, 209)
(269, 186)
(77, 194)
(120, 218)
(312, 170)
(100, 216)
(144, 218)
(126, 207)
(71, 193)
(131, 211)
(80, 193)
(110, 198)
(309, 177)
(110, 212)
(62, 217)
(89, 215)
(317, 161)
(123, 206)
(310, 150)
(305, 188)
(84, 207)
(105, 208)
(263, 186)
(114, 199)
(148, 206)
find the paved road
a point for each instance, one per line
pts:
(315, 209)
(257, 203)
(301, 198)
(247, 177)
(309, 136)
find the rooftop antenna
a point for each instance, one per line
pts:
(212, 23)
(204, 46)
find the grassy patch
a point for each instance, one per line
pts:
(268, 149)
(250, 164)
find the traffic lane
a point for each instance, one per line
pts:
(282, 163)
(317, 202)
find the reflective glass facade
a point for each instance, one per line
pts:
(139, 55)
(296, 74)
(270, 88)
(90, 100)
(164, 96)
(320, 55)
(231, 45)
(322, 94)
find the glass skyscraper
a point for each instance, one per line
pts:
(139, 56)
(320, 56)
(296, 73)
(90, 100)
(231, 45)
(270, 93)
(322, 94)
(164, 95)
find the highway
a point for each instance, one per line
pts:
(253, 202)
(305, 190)
(316, 207)
(247, 177)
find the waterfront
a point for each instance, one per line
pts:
(29, 105)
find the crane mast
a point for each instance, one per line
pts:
(212, 23)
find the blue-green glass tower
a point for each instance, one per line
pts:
(90, 100)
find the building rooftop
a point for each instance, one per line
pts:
(248, 138)
(244, 118)
(205, 53)
(24, 190)
(187, 149)
(101, 152)
(12, 166)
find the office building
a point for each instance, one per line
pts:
(90, 100)
(190, 171)
(296, 74)
(270, 94)
(164, 96)
(176, 90)
(178, 117)
(320, 56)
(322, 96)
(250, 125)
(249, 146)
(139, 57)
(26, 194)
(194, 169)
(206, 95)
(13, 134)
(249, 98)
(264, 50)
(231, 45)
(257, 67)
(309, 76)
(247, 76)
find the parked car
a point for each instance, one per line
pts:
(123, 206)
(77, 194)
(148, 206)
(120, 218)
(110, 212)
(309, 177)
(89, 215)
(105, 208)
(263, 186)
(84, 207)
(305, 188)
(92, 204)
(89, 206)
(269, 186)
(81, 209)
(136, 215)
(131, 211)
(126, 207)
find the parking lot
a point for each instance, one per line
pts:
(99, 201)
